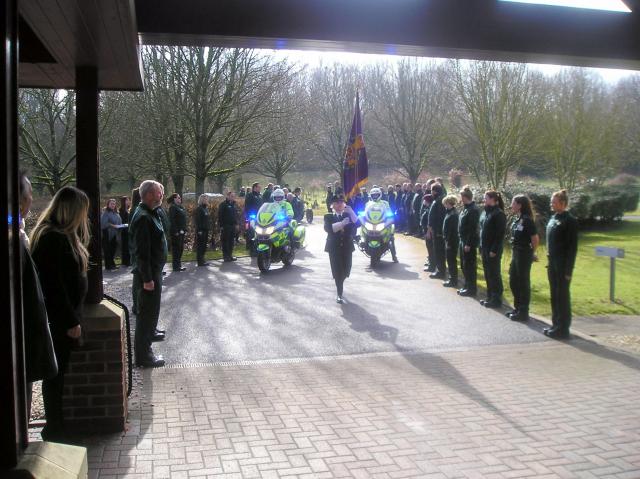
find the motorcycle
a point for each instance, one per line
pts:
(276, 239)
(376, 232)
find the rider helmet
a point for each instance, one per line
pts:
(278, 195)
(375, 194)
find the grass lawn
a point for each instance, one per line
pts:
(210, 255)
(590, 284)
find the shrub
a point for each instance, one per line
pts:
(455, 177)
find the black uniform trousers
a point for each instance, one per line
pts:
(452, 262)
(109, 247)
(148, 314)
(340, 261)
(201, 245)
(228, 241)
(124, 242)
(53, 389)
(469, 265)
(520, 278)
(431, 261)
(560, 295)
(177, 248)
(493, 275)
(439, 254)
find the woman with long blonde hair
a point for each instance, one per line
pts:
(59, 248)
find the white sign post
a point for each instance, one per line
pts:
(612, 254)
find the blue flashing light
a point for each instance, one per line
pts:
(360, 213)
(9, 219)
(390, 214)
(282, 217)
(252, 217)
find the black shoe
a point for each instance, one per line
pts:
(178, 270)
(164, 273)
(394, 259)
(513, 312)
(436, 276)
(157, 337)
(339, 300)
(450, 284)
(492, 304)
(160, 331)
(520, 316)
(483, 301)
(467, 292)
(556, 333)
(204, 264)
(151, 361)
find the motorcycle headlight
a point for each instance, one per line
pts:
(370, 226)
(261, 230)
(269, 230)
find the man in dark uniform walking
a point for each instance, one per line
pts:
(228, 223)
(150, 255)
(252, 204)
(177, 230)
(340, 228)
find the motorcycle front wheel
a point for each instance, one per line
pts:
(287, 259)
(264, 262)
(375, 259)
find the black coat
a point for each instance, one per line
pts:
(339, 245)
(227, 214)
(450, 229)
(148, 242)
(417, 203)
(252, 203)
(493, 226)
(562, 240)
(63, 283)
(177, 219)
(469, 226)
(437, 213)
(202, 218)
(40, 358)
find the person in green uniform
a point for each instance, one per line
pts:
(451, 240)
(524, 242)
(468, 231)
(202, 223)
(177, 230)
(493, 225)
(150, 255)
(562, 248)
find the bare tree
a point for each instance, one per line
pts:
(332, 91)
(408, 107)
(47, 134)
(495, 108)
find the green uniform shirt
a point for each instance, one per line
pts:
(149, 243)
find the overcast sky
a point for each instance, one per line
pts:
(313, 58)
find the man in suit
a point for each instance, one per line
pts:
(340, 227)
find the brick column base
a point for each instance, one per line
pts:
(95, 395)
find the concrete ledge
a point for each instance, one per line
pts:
(51, 460)
(104, 316)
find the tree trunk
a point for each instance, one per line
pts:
(178, 183)
(199, 185)
(219, 184)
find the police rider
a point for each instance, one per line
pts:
(375, 196)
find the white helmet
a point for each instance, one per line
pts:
(278, 195)
(375, 194)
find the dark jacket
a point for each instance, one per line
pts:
(227, 214)
(562, 240)
(63, 283)
(177, 219)
(437, 213)
(417, 203)
(424, 216)
(266, 196)
(469, 225)
(252, 203)
(341, 240)
(148, 242)
(450, 229)
(408, 202)
(40, 358)
(493, 225)
(522, 229)
(202, 218)
(164, 219)
(391, 199)
(298, 208)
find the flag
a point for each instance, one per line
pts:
(356, 165)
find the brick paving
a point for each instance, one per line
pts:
(541, 410)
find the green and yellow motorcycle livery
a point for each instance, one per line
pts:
(376, 230)
(277, 236)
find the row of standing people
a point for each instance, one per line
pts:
(449, 235)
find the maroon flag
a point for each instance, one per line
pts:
(356, 165)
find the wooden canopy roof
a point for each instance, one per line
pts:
(57, 36)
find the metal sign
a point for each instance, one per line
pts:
(609, 252)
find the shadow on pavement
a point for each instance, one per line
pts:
(391, 270)
(429, 364)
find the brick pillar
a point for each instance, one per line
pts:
(95, 386)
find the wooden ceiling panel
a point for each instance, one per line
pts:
(100, 33)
